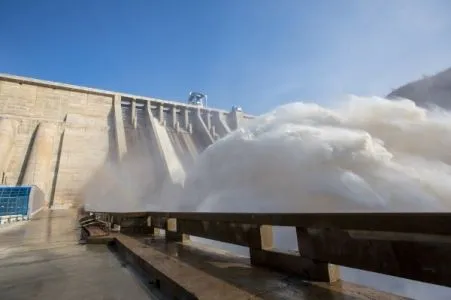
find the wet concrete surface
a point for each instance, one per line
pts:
(41, 259)
(209, 273)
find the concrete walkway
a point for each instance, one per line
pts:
(41, 259)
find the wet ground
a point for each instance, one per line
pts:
(210, 274)
(41, 259)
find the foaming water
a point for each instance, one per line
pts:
(370, 154)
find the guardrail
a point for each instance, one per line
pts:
(410, 245)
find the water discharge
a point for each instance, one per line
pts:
(366, 154)
(369, 154)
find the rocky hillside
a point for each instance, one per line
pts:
(429, 90)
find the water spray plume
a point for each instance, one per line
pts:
(370, 154)
(366, 154)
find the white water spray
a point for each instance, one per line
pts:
(370, 154)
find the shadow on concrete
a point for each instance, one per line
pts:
(263, 283)
(137, 273)
(23, 169)
(57, 167)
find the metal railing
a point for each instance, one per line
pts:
(410, 245)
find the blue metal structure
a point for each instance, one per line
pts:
(14, 200)
(196, 98)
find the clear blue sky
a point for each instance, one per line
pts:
(256, 53)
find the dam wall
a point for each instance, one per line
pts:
(60, 137)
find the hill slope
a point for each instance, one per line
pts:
(429, 90)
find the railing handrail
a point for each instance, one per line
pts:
(410, 245)
(438, 223)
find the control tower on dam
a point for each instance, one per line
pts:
(66, 139)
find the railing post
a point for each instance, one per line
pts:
(315, 270)
(155, 224)
(172, 235)
(152, 229)
(262, 239)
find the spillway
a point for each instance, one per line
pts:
(75, 143)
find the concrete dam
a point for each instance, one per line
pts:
(60, 138)
(63, 145)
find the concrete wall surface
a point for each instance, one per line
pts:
(62, 138)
